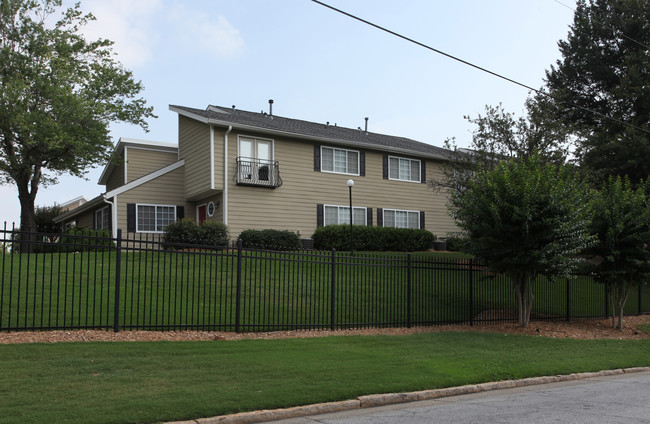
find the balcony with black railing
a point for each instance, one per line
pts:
(258, 172)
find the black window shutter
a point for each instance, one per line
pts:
(362, 164)
(130, 217)
(385, 167)
(380, 217)
(180, 212)
(319, 215)
(95, 220)
(317, 158)
(369, 215)
(422, 220)
(110, 218)
(423, 171)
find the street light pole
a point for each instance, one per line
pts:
(350, 184)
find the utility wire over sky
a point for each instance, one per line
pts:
(480, 68)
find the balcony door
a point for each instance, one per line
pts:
(255, 158)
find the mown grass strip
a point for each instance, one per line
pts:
(151, 382)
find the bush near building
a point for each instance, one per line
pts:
(372, 238)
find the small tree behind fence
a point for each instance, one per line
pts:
(87, 281)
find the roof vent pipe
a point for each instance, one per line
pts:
(366, 124)
(271, 107)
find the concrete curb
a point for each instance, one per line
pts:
(370, 401)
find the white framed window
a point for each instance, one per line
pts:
(401, 218)
(154, 218)
(102, 219)
(403, 169)
(336, 215)
(255, 158)
(69, 225)
(340, 161)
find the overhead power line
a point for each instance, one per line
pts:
(480, 68)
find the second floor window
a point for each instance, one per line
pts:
(255, 159)
(340, 161)
(403, 169)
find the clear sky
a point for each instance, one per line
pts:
(320, 66)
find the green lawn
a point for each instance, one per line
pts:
(164, 381)
(198, 290)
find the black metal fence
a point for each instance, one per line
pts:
(50, 281)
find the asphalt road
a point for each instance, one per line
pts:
(612, 399)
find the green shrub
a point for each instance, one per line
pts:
(80, 239)
(213, 234)
(270, 239)
(372, 238)
(180, 234)
(456, 244)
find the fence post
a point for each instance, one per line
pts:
(568, 300)
(118, 267)
(606, 300)
(408, 291)
(639, 299)
(333, 292)
(238, 300)
(471, 292)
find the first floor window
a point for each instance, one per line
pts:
(404, 169)
(335, 215)
(154, 218)
(401, 219)
(103, 219)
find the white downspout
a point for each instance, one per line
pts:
(113, 215)
(225, 176)
(211, 158)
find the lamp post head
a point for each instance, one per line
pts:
(350, 183)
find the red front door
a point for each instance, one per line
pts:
(202, 214)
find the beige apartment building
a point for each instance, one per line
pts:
(255, 170)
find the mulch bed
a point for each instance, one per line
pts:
(577, 329)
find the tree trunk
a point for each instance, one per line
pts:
(612, 306)
(622, 292)
(524, 292)
(27, 215)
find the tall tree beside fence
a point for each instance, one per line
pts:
(621, 220)
(59, 93)
(525, 218)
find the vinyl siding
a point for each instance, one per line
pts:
(164, 190)
(194, 147)
(293, 205)
(86, 219)
(141, 162)
(116, 179)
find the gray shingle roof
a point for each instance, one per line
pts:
(263, 121)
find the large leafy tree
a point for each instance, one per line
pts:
(601, 86)
(621, 220)
(58, 94)
(499, 135)
(525, 218)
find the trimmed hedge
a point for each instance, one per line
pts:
(185, 232)
(373, 238)
(270, 239)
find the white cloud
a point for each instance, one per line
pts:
(201, 32)
(129, 24)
